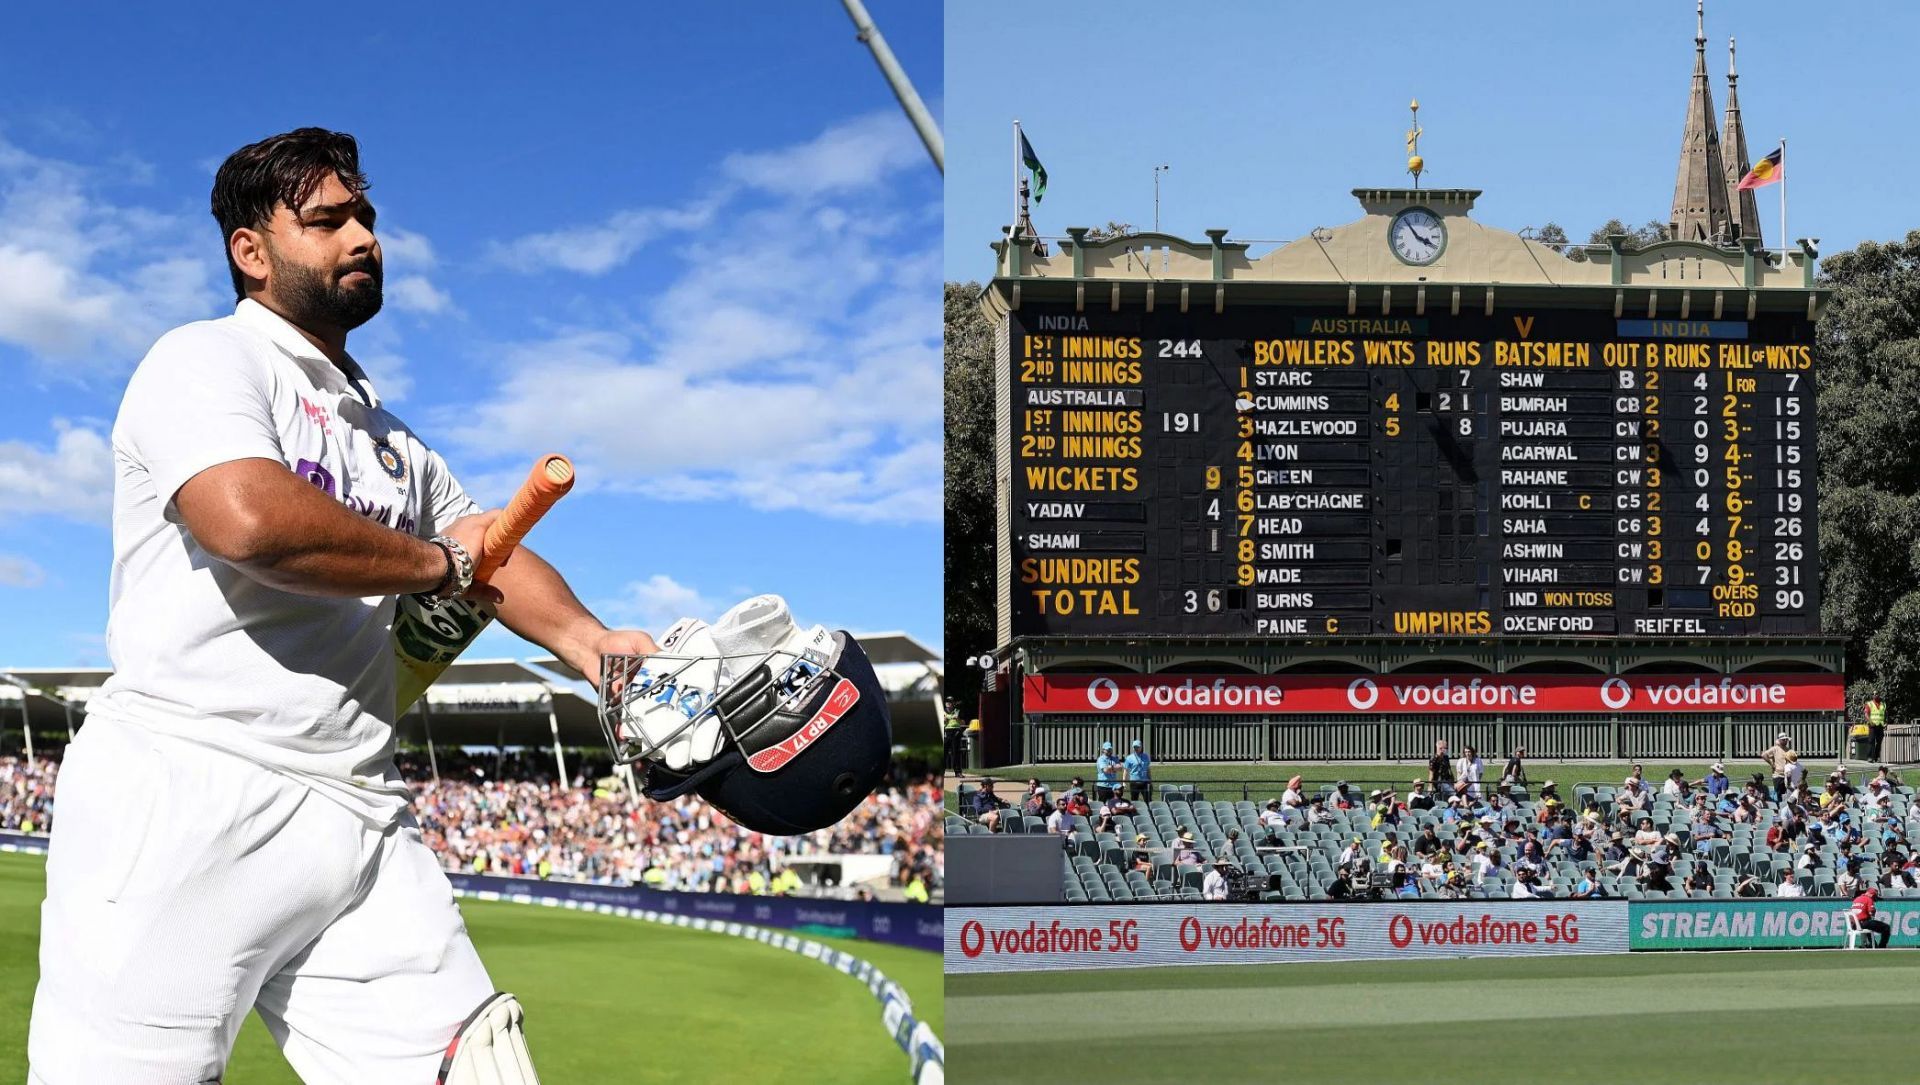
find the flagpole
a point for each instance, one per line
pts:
(1783, 202)
(1016, 173)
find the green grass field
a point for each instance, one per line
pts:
(608, 999)
(1268, 778)
(1776, 1017)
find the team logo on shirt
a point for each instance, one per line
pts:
(390, 461)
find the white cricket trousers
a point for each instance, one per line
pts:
(187, 885)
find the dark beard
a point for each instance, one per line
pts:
(316, 298)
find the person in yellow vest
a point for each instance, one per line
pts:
(916, 890)
(480, 863)
(1873, 716)
(546, 869)
(757, 883)
(654, 877)
(786, 882)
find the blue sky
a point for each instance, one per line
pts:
(1269, 113)
(695, 250)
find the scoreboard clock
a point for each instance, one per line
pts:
(1417, 236)
(1298, 472)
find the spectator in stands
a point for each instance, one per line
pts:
(1214, 885)
(1865, 918)
(1717, 783)
(1429, 843)
(1344, 799)
(1896, 871)
(1106, 772)
(1142, 855)
(1700, 881)
(986, 805)
(1139, 772)
(1355, 850)
(1633, 796)
(1847, 882)
(1275, 818)
(1063, 821)
(1676, 785)
(1745, 812)
(1418, 798)
(1485, 861)
(1796, 775)
(1037, 804)
(1704, 831)
(1749, 885)
(1646, 836)
(1440, 769)
(1526, 884)
(1293, 796)
(1471, 770)
(1558, 835)
(1581, 848)
(1532, 857)
(1776, 757)
(1317, 812)
(1809, 861)
(1119, 806)
(1515, 774)
(1588, 885)
(1788, 887)
(1075, 801)
(1385, 810)
(1660, 864)
(1400, 878)
(1186, 852)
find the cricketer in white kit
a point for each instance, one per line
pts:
(230, 831)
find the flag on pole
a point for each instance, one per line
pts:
(1765, 172)
(1032, 162)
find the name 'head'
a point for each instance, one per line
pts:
(293, 210)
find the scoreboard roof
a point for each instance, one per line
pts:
(1355, 263)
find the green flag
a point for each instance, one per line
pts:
(1032, 162)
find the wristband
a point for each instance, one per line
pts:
(459, 576)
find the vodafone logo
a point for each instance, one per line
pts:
(1190, 934)
(1362, 693)
(1615, 693)
(844, 696)
(1103, 693)
(1400, 932)
(973, 938)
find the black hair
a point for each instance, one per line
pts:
(286, 168)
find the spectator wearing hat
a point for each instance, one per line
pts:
(1777, 756)
(1139, 772)
(1660, 864)
(1186, 852)
(1214, 885)
(1119, 806)
(1142, 854)
(1106, 772)
(1717, 782)
(1355, 850)
(1342, 798)
(1485, 861)
(1676, 785)
(1588, 885)
(1864, 915)
(1418, 797)
(985, 806)
(1633, 796)
(1036, 804)
(1276, 817)
(1317, 812)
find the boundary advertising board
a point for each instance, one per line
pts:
(1761, 924)
(1048, 939)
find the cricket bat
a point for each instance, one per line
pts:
(425, 641)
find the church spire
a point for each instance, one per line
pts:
(1745, 209)
(1700, 210)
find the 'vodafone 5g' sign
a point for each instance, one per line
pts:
(1044, 939)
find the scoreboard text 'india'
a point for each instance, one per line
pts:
(1282, 471)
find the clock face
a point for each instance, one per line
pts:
(1417, 236)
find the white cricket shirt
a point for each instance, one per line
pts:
(301, 684)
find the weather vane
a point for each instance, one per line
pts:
(1414, 162)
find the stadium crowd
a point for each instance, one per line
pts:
(510, 815)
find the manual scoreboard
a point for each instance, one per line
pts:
(1294, 472)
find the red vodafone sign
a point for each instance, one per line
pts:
(1266, 695)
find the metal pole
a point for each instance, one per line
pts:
(1157, 171)
(1018, 203)
(898, 81)
(26, 724)
(1784, 245)
(426, 721)
(553, 721)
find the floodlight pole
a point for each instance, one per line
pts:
(897, 80)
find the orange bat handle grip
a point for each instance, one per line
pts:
(552, 477)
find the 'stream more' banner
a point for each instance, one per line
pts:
(1761, 924)
(1267, 695)
(1045, 939)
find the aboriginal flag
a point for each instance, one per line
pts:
(1032, 162)
(1764, 172)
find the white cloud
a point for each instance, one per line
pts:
(855, 154)
(72, 479)
(599, 248)
(657, 602)
(407, 250)
(388, 372)
(79, 286)
(18, 572)
(414, 294)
